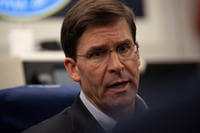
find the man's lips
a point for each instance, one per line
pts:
(118, 84)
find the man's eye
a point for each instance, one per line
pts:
(96, 54)
(123, 48)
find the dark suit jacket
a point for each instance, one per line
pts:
(74, 119)
(77, 119)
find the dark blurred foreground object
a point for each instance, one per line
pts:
(177, 112)
(25, 106)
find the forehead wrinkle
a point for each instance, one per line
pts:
(106, 31)
(106, 45)
(109, 37)
(114, 38)
(107, 34)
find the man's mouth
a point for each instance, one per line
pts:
(121, 84)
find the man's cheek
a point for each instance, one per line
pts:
(133, 71)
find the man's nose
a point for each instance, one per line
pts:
(114, 63)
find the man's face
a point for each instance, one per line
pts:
(112, 83)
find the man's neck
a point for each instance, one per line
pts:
(116, 113)
(120, 113)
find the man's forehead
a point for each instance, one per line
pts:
(104, 35)
(120, 24)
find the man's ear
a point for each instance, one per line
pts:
(72, 69)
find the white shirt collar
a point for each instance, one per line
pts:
(104, 120)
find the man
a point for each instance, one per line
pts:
(99, 40)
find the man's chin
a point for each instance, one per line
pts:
(120, 102)
(119, 99)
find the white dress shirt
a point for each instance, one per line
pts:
(106, 122)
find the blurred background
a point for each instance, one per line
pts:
(168, 32)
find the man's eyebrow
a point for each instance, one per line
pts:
(96, 48)
(126, 41)
(104, 46)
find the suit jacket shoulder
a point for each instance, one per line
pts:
(74, 119)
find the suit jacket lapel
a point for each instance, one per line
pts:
(82, 119)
